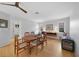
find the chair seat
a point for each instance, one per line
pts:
(35, 43)
(22, 45)
(43, 40)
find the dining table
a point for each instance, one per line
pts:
(30, 39)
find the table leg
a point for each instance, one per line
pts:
(29, 48)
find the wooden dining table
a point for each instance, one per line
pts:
(29, 39)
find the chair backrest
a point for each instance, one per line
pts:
(26, 34)
(16, 39)
(16, 43)
(44, 35)
(19, 44)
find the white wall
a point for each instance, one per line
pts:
(4, 32)
(74, 28)
(25, 26)
(14, 20)
(28, 26)
(56, 22)
(75, 34)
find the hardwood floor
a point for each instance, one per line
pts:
(7, 50)
(53, 49)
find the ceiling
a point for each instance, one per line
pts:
(40, 11)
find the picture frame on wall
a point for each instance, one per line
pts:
(61, 27)
(3, 23)
(49, 27)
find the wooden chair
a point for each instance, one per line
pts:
(36, 44)
(30, 45)
(33, 43)
(20, 46)
(44, 38)
(26, 33)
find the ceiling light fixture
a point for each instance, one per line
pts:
(36, 12)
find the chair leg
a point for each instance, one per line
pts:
(36, 50)
(29, 51)
(46, 43)
(17, 53)
(42, 46)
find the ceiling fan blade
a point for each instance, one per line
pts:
(22, 9)
(17, 4)
(7, 4)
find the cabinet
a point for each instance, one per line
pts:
(51, 35)
(68, 44)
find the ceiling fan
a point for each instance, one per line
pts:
(15, 5)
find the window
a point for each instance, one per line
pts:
(61, 27)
